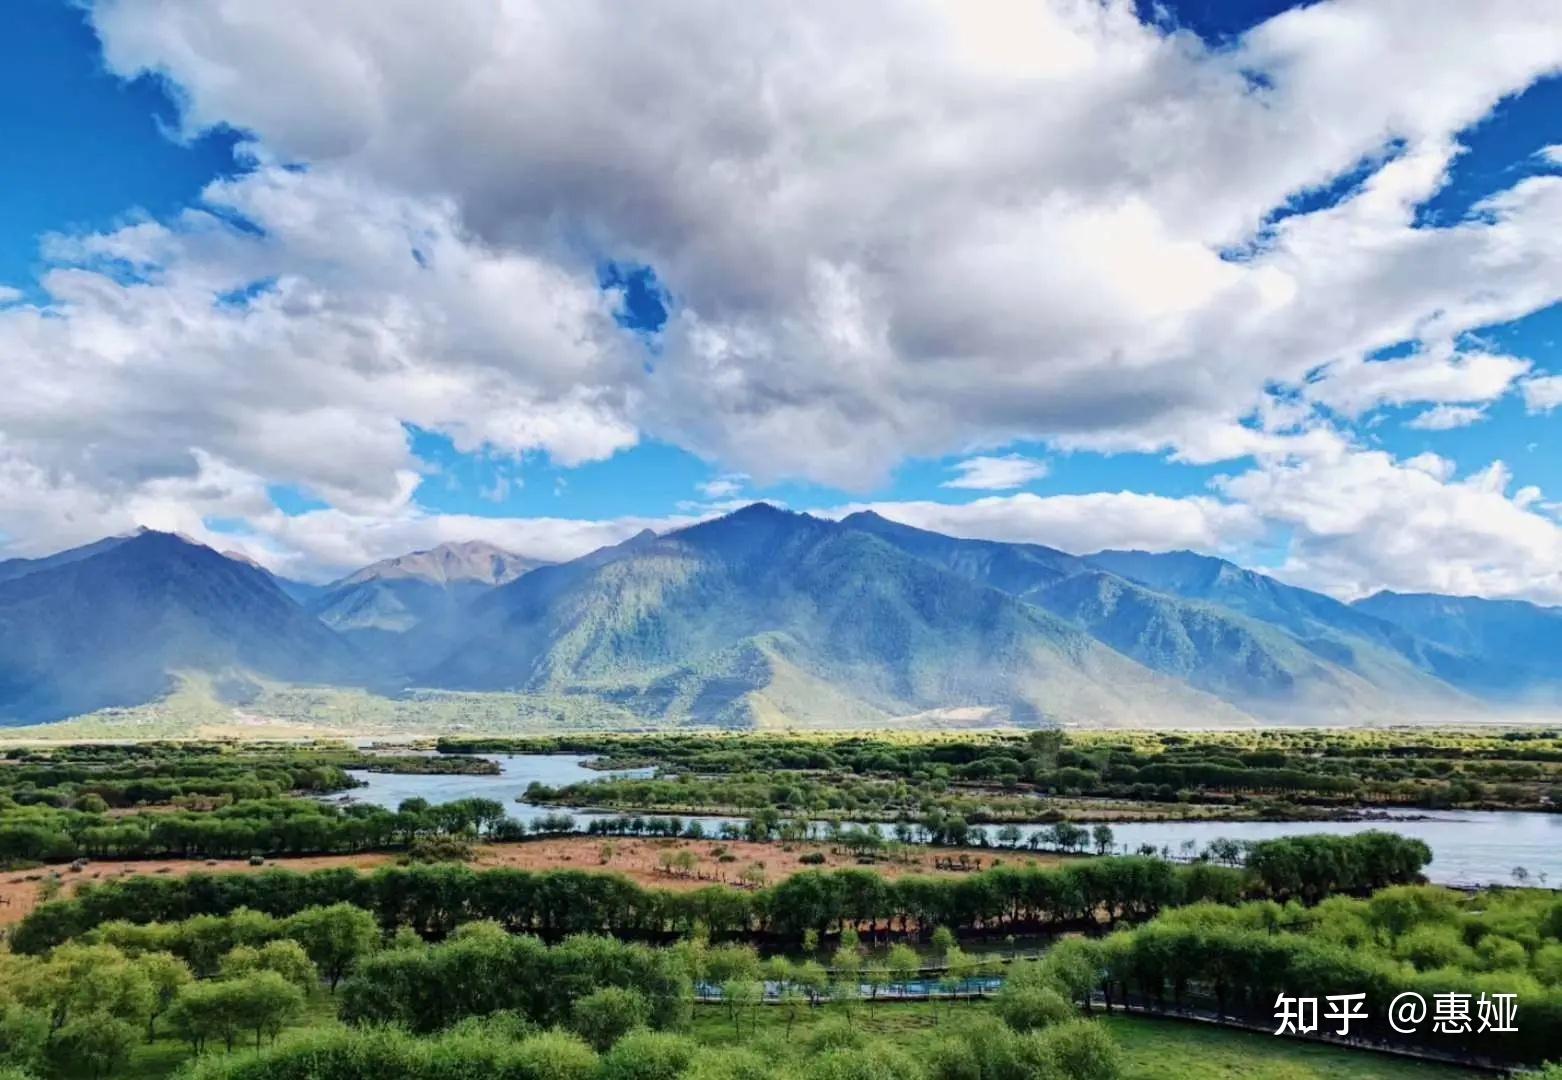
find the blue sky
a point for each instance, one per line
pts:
(94, 152)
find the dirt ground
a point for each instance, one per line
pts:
(637, 859)
(21, 890)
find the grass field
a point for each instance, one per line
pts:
(1152, 1049)
(1167, 1050)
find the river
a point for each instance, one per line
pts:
(1468, 846)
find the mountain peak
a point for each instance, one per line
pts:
(448, 563)
(759, 511)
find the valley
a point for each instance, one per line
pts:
(313, 891)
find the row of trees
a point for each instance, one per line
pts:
(822, 773)
(484, 970)
(265, 827)
(616, 1011)
(333, 938)
(500, 1046)
(435, 899)
(1235, 962)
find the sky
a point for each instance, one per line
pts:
(325, 283)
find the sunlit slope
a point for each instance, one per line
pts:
(711, 621)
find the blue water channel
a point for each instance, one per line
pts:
(1468, 847)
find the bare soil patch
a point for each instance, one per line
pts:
(636, 858)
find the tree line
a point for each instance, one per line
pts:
(821, 772)
(257, 827)
(434, 900)
(1234, 962)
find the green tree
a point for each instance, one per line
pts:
(1030, 1008)
(265, 1002)
(792, 1005)
(335, 937)
(606, 1015)
(649, 1055)
(1079, 1050)
(903, 964)
(167, 975)
(24, 1035)
(811, 978)
(92, 1044)
(743, 997)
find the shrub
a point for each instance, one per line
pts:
(649, 1055)
(1030, 1008)
(604, 1016)
(1077, 1050)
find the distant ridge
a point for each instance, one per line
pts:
(767, 613)
(111, 626)
(768, 617)
(1259, 652)
(1514, 647)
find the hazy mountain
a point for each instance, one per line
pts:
(111, 627)
(448, 564)
(1386, 655)
(411, 608)
(765, 613)
(1260, 667)
(769, 617)
(1515, 646)
(397, 594)
(10, 569)
(1201, 577)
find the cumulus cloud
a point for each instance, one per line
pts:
(1447, 417)
(1441, 376)
(898, 228)
(1081, 523)
(1542, 393)
(888, 229)
(293, 349)
(1361, 520)
(996, 473)
(723, 487)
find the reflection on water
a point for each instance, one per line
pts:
(1467, 846)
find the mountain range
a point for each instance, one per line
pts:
(767, 617)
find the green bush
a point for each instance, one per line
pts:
(1030, 1008)
(604, 1016)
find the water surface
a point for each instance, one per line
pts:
(1468, 847)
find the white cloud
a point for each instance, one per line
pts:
(120, 389)
(1356, 520)
(1442, 376)
(1551, 155)
(1542, 393)
(1447, 417)
(891, 229)
(723, 487)
(1359, 521)
(1081, 523)
(323, 544)
(996, 473)
(896, 228)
